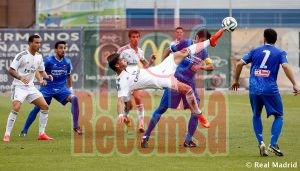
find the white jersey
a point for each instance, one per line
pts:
(159, 76)
(131, 56)
(174, 42)
(26, 65)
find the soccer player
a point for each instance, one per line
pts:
(265, 62)
(179, 33)
(184, 73)
(160, 76)
(133, 54)
(60, 68)
(23, 69)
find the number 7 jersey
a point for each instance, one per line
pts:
(265, 62)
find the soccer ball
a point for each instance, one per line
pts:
(229, 24)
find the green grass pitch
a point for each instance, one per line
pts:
(29, 154)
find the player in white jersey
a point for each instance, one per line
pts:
(133, 55)
(160, 76)
(23, 69)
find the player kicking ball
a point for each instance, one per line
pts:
(60, 88)
(23, 69)
(185, 72)
(160, 76)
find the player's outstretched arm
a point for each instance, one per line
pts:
(239, 67)
(289, 74)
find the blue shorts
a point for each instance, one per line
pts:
(272, 103)
(60, 95)
(171, 98)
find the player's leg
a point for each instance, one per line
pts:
(137, 94)
(164, 103)
(18, 95)
(37, 99)
(64, 96)
(193, 122)
(197, 47)
(191, 100)
(257, 105)
(33, 113)
(273, 105)
(31, 117)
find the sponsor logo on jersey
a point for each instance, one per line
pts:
(261, 73)
(58, 72)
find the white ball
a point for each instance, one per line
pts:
(229, 23)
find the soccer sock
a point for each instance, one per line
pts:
(31, 117)
(276, 129)
(193, 123)
(10, 122)
(154, 120)
(43, 121)
(75, 111)
(196, 48)
(190, 98)
(140, 111)
(258, 127)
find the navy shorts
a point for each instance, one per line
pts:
(60, 95)
(272, 103)
(171, 98)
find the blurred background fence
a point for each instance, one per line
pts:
(96, 28)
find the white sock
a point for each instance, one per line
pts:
(196, 48)
(140, 111)
(190, 98)
(43, 121)
(10, 122)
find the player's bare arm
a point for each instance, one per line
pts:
(45, 75)
(166, 53)
(14, 74)
(289, 73)
(235, 85)
(205, 65)
(40, 79)
(122, 108)
(147, 64)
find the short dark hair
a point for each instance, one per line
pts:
(58, 43)
(31, 37)
(179, 28)
(270, 36)
(203, 33)
(113, 60)
(133, 31)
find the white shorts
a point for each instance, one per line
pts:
(160, 76)
(28, 93)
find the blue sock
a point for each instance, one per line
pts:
(154, 120)
(31, 117)
(276, 129)
(193, 123)
(258, 127)
(75, 111)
